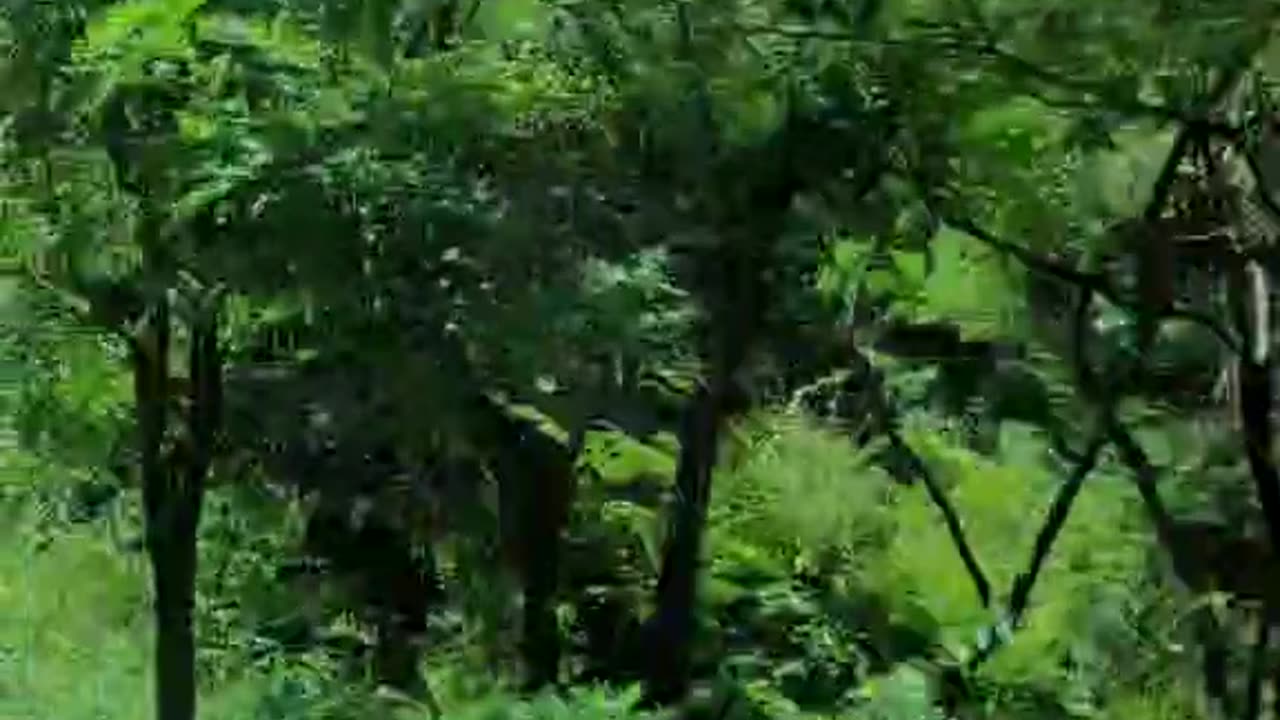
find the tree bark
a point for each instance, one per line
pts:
(1215, 661)
(541, 631)
(173, 568)
(536, 484)
(1256, 392)
(173, 492)
(1257, 666)
(672, 628)
(170, 547)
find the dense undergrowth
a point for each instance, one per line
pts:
(832, 591)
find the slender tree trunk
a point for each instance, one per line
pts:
(1209, 633)
(536, 477)
(736, 296)
(1215, 662)
(1256, 393)
(170, 551)
(547, 506)
(1275, 688)
(401, 592)
(1258, 666)
(541, 631)
(672, 628)
(1256, 398)
(396, 653)
(172, 497)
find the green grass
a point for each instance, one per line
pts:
(75, 641)
(73, 630)
(75, 644)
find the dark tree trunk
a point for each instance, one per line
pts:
(673, 626)
(170, 549)
(401, 596)
(174, 651)
(1251, 303)
(396, 654)
(736, 297)
(173, 491)
(1275, 689)
(1208, 632)
(173, 562)
(1215, 661)
(541, 632)
(1255, 410)
(1258, 666)
(389, 585)
(547, 510)
(734, 282)
(536, 478)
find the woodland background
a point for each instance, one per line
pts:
(597, 358)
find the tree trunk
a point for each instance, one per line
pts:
(1252, 308)
(1258, 666)
(736, 296)
(396, 654)
(545, 509)
(1256, 400)
(541, 632)
(170, 548)
(1215, 660)
(173, 562)
(535, 485)
(172, 496)
(400, 593)
(672, 628)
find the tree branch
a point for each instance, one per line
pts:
(1092, 281)
(1107, 99)
(884, 412)
(938, 496)
(1059, 510)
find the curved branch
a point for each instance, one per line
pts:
(1093, 282)
(1098, 283)
(1054, 521)
(1145, 478)
(1060, 509)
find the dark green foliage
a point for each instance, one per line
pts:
(754, 359)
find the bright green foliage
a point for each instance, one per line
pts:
(800, 544)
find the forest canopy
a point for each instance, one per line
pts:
(728, 359)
